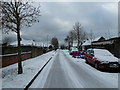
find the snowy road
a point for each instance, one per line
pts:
(64, 72)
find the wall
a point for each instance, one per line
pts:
(13, 58)
(36, 51)
(7, 58)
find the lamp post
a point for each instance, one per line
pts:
(47, 40)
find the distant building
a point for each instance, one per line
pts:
(75, 43)
(31, 43)
(23, 43)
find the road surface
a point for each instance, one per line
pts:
(65, 73)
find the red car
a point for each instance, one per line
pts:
(74, 52)
(102, 59)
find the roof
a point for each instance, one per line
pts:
(23, 42)
(30, 43)
(97, 39)
(88, 42)
(109, 41)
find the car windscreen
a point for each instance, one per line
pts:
(74, 49)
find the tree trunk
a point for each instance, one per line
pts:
(72, 42)
(20, 70)
(78, 39)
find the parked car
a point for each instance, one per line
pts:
(102, 59)
(76, 54)
(82, 54)
(72, 50)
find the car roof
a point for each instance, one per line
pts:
(100, 50)
(96, 49)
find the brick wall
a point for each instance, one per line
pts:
(13, 58)
(36, 51)
(8, 58)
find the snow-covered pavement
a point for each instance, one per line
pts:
(10, 78)
(63, 71)
(66, 72)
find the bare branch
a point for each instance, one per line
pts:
(19, 13)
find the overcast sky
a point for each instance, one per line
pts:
(57, 19)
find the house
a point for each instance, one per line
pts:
(30, 43)
(88, 43)
(112, 44)
(23, 43)
(99, 39)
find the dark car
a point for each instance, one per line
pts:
(102, 59)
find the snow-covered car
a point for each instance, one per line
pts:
(102, 59)
(72, 50)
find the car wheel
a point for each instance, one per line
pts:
(86, 61)
(96, 65)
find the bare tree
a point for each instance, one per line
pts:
(91, 35)
(6, 40)
(84, 36)
(67, 39)
(78, 30)
(72, 37)
(81, 35)
(16, 14)
(55, 43)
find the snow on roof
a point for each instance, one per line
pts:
(88, 42)
(102, 51)
(23, 42)
(96, 39)
(31, 43)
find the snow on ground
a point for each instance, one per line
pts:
(105, 77)
(55, 75)
(69, 71)
(10, 78)
(64, 71)
(74, 73)
(0, 79)
(41, 79)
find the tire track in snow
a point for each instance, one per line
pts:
(89, 79)
(57, 77)
(40, 80)
(72, 79)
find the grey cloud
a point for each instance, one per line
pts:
(58, 18)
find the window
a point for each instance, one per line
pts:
(91, 52)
